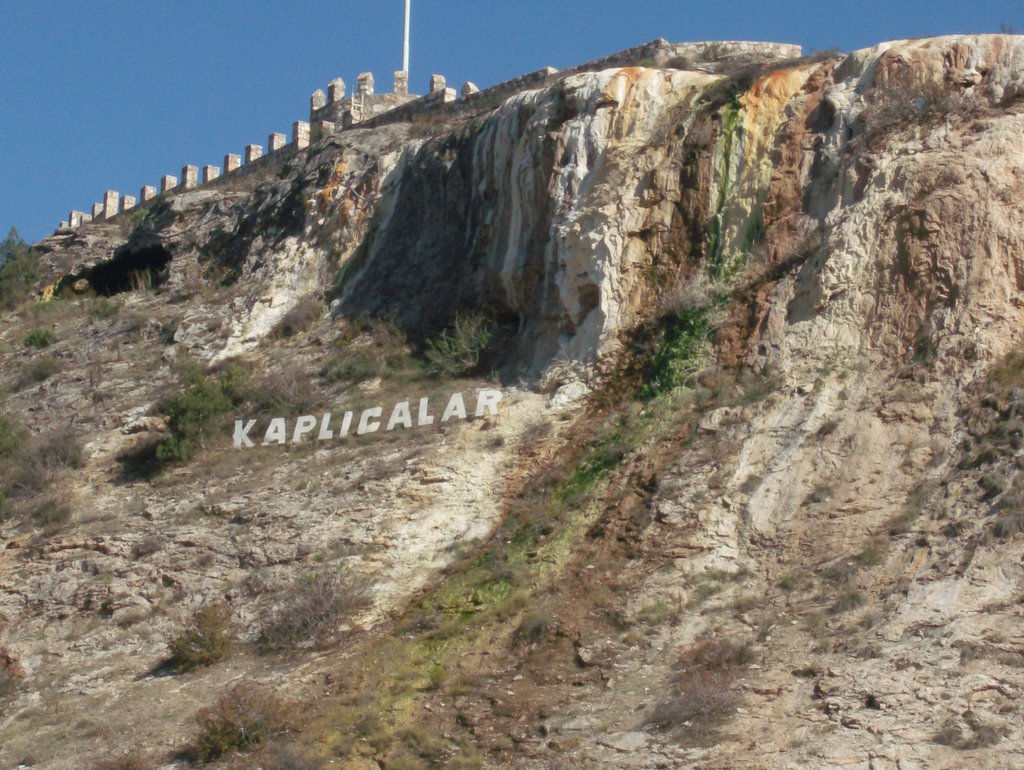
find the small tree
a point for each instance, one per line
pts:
(19, 270)
(12, 246)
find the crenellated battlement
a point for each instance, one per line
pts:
(333, 111)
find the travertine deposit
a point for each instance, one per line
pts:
(751, 497)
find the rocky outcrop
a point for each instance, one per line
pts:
(846, 230)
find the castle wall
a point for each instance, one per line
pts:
(333, 111)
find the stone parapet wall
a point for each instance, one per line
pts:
(657, 53)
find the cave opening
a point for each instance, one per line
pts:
(130, 269)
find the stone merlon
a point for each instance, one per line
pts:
(189, 177)
(276, 142)
(365, 84)
(335, 91)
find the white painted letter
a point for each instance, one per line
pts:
(242, 433)
(487, 400)
(277, 432)
(303, 425)
(456, 408)
(346, 423)
(400, 416)
(326, 434)
(365, 426)
(425, 418)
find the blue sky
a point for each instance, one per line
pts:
(113, 94)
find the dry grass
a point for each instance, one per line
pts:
(127, 761)
(704, 689)
(368, 348)
(906, 105)
(242, 719)
(848, 598)
(1008, 524)
(131, 761)
(37, 371)
(300, 318)
(311, 611)
(31, 486)
(273, 755)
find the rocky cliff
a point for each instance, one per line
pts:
(751, 497)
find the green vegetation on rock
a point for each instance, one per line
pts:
(194, 414)
(40, 338)
(681, 354)
(456, 352)
(207, 639)
(19, 270)
(726, 187)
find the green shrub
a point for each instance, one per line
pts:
(40, 338)
(241, 719)
(457, 352)
(369, 348)
(103, 308)
(681, 353)
(12, 437)
(194, 414)
(352, 366)
(207, 639)
(436, 676)
(604, 456)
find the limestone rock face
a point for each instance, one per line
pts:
(848, 227)
(521, 206)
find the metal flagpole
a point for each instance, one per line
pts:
(405, 48)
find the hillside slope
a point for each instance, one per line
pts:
(751, 497)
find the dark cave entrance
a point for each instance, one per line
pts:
(130, 269)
